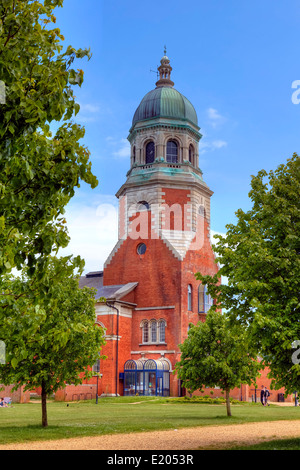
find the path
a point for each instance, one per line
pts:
(181, 439)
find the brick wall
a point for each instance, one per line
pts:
(18, 396)
(76, 393)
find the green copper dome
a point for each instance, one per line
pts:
(165, 102)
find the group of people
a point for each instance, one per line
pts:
(3, 404)
(264, 395)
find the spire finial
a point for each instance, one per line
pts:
(165, 70)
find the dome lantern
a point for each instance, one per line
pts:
(164, 130)
(165, 70)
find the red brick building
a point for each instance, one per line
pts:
(164, 239)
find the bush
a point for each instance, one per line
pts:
(201, 400)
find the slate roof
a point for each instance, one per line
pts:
(114, 292)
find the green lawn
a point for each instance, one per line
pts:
(119, 415)
(283, 444)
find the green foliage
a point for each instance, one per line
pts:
(49, 331)
(38, 171)
(47, 322)
(260, 256)
(216, 354)
(202, 400)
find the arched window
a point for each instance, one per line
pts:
(172, 151)
(202, 211)
(150, 152)
(191, 154)
(143, 206)
(205, 301)
(190, 294)
(162, 331)
(208, 301)
(133, 155)
(153, 331)
(201, 299)
(145, 332)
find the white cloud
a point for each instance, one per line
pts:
(218, 144)
(214, 117)
(124, 149)
(211, 146)
(89, 112)
(90, 108)
(93, 229)
(213, 233)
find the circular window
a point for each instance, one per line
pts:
(141, 249)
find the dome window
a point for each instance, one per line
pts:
(150, 152)
(191, 154)
(133, 155)
(172, 151)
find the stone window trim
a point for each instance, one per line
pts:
(153, 331)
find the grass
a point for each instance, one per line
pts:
(282, 444)
(22, 423)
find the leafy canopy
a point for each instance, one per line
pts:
(39, 170)
(260, 256)
(50, 333)
(216, 354)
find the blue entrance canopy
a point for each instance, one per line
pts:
(149, 377)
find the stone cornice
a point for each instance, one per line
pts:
(160, 123)
(180, 175)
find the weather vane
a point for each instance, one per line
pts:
(155, 71)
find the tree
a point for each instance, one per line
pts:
(217, 354)
(50, 334)
(260, 256)
(39, 171)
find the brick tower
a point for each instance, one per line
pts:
(164, 239)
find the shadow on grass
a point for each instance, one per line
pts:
(281, 444)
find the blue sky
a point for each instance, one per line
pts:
(234, 60)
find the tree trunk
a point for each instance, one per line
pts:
(44, 406)
(228, 402)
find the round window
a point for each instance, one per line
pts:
(141, 249)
